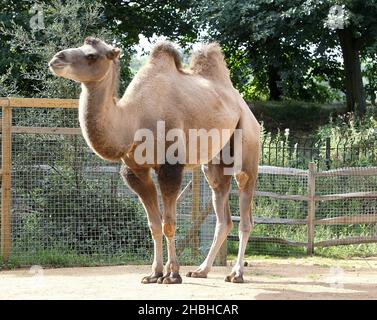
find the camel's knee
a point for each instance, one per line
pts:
(156, 230)
(219, 184)
(245, 226)
(169, 229)
(246, 181)
(224, 227)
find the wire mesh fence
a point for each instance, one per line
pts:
(328, 153)
(71, 208)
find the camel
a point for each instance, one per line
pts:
(200, 96)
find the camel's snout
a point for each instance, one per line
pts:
(58, 61)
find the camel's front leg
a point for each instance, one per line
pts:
(170, 178)
(141, 183)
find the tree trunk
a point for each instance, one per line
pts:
(355, 95)
(373, 97)
(273, 79)
(273, 45)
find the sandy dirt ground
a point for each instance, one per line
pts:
(309, 278)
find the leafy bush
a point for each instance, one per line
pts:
(299, 116)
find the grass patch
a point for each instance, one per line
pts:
(56, 257)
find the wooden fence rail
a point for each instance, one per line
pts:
(312, 198)
(198, 217)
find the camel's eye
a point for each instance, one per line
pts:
(91, 56)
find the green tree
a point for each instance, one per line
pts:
(66, 24)
(11, 63)
(370, 73)
(357, 32)
(128, 19)
(291, 46)
(272, 36)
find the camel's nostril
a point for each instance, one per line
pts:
(60, 55)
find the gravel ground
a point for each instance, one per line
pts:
(265, 279)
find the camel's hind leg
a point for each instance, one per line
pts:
(246, 181)
(220, 185)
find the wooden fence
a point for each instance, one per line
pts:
(198, 217)
(311, 197)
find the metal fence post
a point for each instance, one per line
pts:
(328, 153)
(6, 195)
(311, 207)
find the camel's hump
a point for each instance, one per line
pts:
(164, 48)
(209, 62)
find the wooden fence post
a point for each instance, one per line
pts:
(196, 193)
(311, 207)
(6, 195)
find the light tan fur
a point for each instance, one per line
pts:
(200, 97)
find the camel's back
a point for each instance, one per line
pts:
(183, 100)
(178, 96)
(201, 96)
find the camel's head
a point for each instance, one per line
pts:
(88, 63)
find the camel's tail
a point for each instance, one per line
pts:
(164, 52)
(209, 62)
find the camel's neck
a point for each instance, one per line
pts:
(99, 116)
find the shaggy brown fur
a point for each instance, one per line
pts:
(92, 41)
(209, 62)
(165, 49)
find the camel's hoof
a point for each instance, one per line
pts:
(153, 278)
(170, 278)
(238, 279)
(234, 278)
(196, 274)
(161, 279)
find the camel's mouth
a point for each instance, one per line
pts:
(58, 65)
(57, 62)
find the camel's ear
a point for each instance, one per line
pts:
(113, 53)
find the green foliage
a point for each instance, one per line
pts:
(370, 73)
(66, 25)
(279, 115)
(128, 19)
(271, 43)
(353, 140)
(350, 127)
(289, 49)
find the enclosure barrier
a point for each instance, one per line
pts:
(311, 198)
(6, 149)
(201, 207)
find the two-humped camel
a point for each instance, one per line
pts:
(199, 97)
